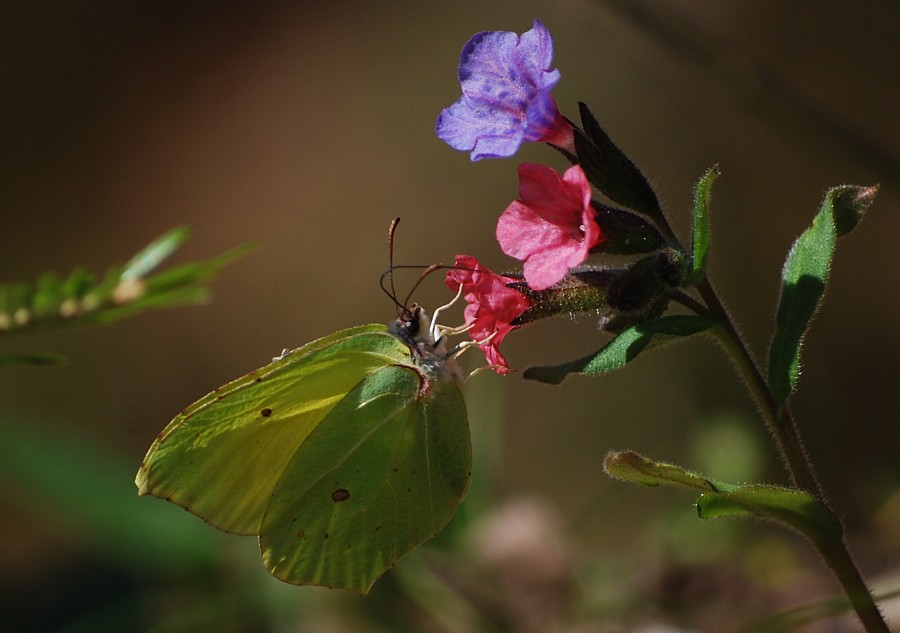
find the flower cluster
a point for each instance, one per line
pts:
(555, 224)
(506, 81)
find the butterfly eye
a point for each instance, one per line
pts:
(412, 321)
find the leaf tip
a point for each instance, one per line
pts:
(850, 205)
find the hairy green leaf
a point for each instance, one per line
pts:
(610, 170)
(797, 509)
(624, 348)
(793, 508)
(804, 279)
(701, 233)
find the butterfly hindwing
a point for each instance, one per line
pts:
(383, 472)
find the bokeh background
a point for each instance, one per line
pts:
(306, 127)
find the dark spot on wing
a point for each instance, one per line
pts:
(341, 494)
(266, 412)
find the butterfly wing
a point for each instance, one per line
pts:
(383, 472)
(222, 457)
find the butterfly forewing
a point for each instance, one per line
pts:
(222, 457)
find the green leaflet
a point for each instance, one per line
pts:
(804, 278)
(700, 233)
(794, 508)
(342, 455)
(624, 348)
(123, 290)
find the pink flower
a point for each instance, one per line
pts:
(492, 306)
(552, 226)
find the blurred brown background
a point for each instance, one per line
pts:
(306, 127)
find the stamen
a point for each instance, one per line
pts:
(434, 329)
(464, 345)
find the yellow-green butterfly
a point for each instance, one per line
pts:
(341, 455)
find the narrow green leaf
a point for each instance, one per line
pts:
(700, 235)
(195, 272)
(77, 283)
(794, 508)
(154, 254)
(633, 467)
(610, 170)
(797, 509)
(14, 360)
(804, 279)
(47, 296)
(62, 477)
(624, 348)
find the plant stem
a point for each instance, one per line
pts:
(781, 424)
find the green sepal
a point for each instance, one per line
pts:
(625, 233)
(790, 507)
(583, 290)
(700, 233)
(804, 279)
(624, 348)
(610, 170)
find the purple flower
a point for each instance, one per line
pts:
(506, 83)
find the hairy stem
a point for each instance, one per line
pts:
(783, 428)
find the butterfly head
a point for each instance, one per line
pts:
(414, 328)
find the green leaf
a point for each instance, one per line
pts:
(76, 485)
(610, 170)
(624, 348)
(13, 360)
(342, 456)
(797, 509)
(122, 291)
(154, 254)
(633, 467)
(793, 508)
(700, 234)
(804, 279)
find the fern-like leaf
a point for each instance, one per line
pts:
(123, 290)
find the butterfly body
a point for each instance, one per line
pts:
(342, 455)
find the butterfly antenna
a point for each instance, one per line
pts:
(392, 293)
(425, 273)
